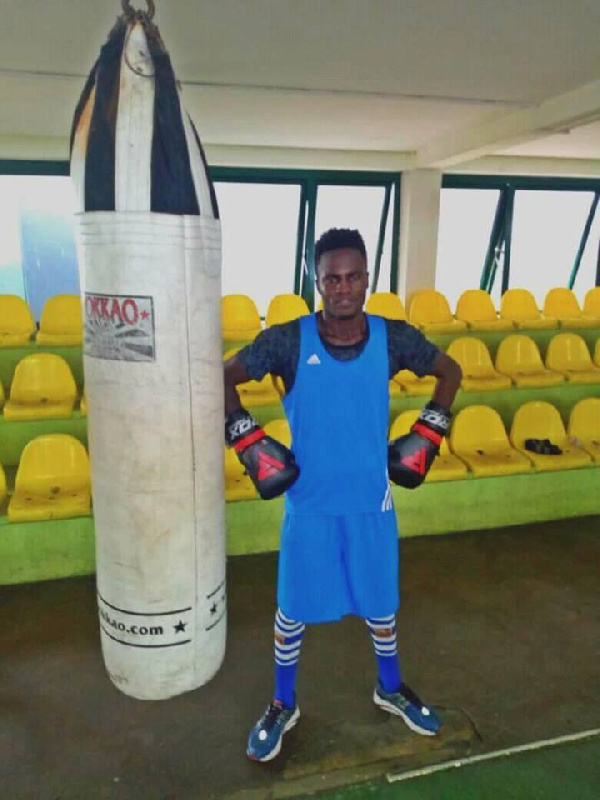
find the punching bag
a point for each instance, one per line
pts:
(149, 245)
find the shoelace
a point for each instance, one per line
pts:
(271, 716)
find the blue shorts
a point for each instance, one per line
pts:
(330, 566)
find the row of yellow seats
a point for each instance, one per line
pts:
(43, 387)
(60, 322)
(518, 362)
(478, 443)
(430, 311)
(52, 480)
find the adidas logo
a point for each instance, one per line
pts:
(314, 359)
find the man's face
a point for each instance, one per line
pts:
(342, 280)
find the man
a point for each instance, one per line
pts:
(339, 539)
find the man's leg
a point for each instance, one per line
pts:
(264, 742)
(391, 693)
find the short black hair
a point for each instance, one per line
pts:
(337, 239)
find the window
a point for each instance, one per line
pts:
(259, 226)
(546, 231)
(37, 244)
(358, 207)
(466, 218)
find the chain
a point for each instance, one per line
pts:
(131, 14)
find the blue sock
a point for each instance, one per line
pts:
(383, 634)
(288, 638)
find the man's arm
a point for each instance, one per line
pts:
(234, 373)
(449, 375)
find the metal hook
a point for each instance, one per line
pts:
(130, 13)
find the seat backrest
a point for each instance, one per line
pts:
(385, 304)
(518, 305)
(591, 304)
(561, 303)
(2, 484)
(42, 378)
(584, 421)
(284, 308)
(568, 351)
(472, 355)
(61, 314)
(537, 420)
(478, 428)
(15, 316)
(404, 422)
(475, 305)
(518, 353)
(53, 464)
(239, 312)
(428, 305)
(279, 429)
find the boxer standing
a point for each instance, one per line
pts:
(339, 538)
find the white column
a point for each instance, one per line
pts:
(419, 219)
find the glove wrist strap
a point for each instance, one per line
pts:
(428, 433)
(246, 441)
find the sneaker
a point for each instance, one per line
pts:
(264, 742)
(405, 703)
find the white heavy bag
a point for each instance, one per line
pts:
(150, 256)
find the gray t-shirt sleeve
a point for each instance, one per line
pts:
(275, 350)
(409, 349)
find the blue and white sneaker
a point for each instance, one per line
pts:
(405, 703)
(264, 742)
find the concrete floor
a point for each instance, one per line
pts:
(499, 628)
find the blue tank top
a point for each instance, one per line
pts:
(338, 413)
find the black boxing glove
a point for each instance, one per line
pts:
(269, 464)
(411, 456)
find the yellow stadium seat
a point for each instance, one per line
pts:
(386, 304)
(256, 393)
(562, 304)
(16, 322)
(519, 358)
(597, 353)
(479, 438)
(284, 308)
(591, 304)
(412, 384)
(240, 320)
(584, 426)
(2, 396)
(430, 311)
(519, 306)
(567, 353)
(541, 420)
(475, 307)
(238, 485)
(3, 489)
(279, 429)
(83, 405)
(446, 466)
(43, 387)
(53, 480)
(60, 323)
(478, 371)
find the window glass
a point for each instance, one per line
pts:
(358, 207)
(259, 226)
(586, 275)
(547, 228)
(465, 225)
(37, 244)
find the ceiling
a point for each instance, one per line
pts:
(444, 80)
